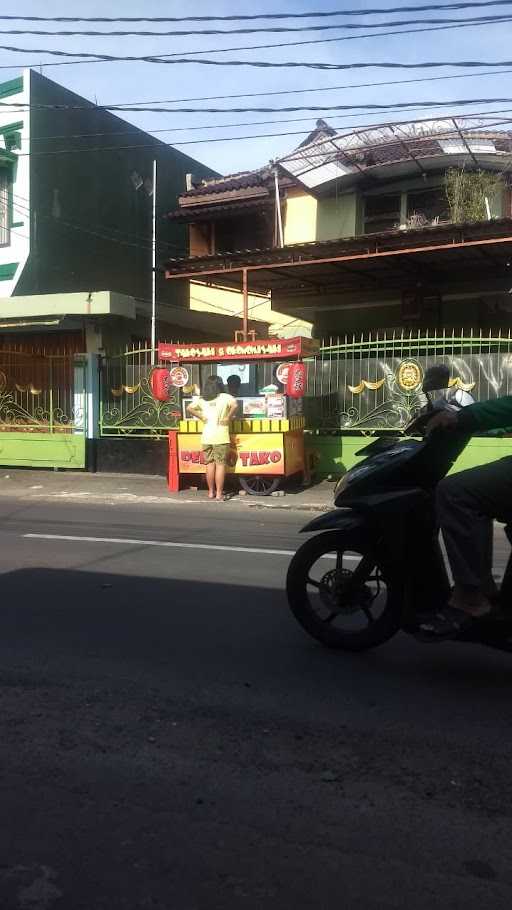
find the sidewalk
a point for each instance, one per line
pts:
(76, 485)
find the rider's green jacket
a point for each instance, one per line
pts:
(487, 415)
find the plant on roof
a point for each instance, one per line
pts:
(467, 192)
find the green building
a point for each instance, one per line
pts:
(76, 221)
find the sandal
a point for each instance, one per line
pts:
(446, 624)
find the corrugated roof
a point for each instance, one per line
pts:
(191, 213)
(236, 181)
(474, 255)
(312, 249)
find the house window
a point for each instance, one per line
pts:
(381, 213)
(4, 208)
(428, 206)
(249, 232)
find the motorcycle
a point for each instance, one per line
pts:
(377, 566)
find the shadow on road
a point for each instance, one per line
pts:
(178, 744)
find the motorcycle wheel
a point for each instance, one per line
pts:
(347, 604)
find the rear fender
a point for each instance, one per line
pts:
(337, 520)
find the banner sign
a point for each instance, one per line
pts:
(267, 349)
(251, 453)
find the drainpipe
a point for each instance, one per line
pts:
(278, 209)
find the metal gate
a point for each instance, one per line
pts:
(43, 410)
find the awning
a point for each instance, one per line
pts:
(194, 213)
(25, 324)
(393, 259)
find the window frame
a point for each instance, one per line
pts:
(394, 215)
(7, 192)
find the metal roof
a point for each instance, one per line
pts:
(479, 251)
(419, 144)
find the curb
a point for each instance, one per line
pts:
(127, 498)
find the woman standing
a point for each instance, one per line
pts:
(215, 408)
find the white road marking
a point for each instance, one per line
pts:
(161, 543)
(178, 545)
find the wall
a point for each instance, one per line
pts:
(300, 217)
(334, 455)
(14, 256)
(337, 216)
(91, 228)
(226, 302)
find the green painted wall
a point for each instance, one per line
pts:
(336, 217)
(336, 454)
(42, 450)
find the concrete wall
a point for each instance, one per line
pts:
(337, 216)
(222, 301)
(334, 455)
(308, 219)
(300, 217)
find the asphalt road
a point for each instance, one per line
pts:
(171, 740)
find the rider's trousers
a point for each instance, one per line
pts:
(467, 503)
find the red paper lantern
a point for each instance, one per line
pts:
(296, 382)
(160, 384)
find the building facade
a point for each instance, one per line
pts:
(76, 219)
(395, 243)
(343, 191)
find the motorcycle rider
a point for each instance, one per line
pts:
(467, 504)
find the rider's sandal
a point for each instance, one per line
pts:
(447, 624)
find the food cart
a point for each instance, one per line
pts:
(267, 434)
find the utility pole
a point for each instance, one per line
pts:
(153, 272)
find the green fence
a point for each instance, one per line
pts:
(356, 385)
(373, 384)
(127, 406)
(43, 417)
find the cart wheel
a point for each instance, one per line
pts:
(259, 484)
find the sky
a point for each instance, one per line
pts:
(124, 83)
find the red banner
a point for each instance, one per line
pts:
(267, 349)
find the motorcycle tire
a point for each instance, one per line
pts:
(376, 633)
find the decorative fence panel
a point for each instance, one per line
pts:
(355, 385)
(373, 384)
(41, 394)
(43, 409)
(127, 407)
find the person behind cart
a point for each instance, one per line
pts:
(234, 383)
(215, 408)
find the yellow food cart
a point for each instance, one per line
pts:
(267, 435)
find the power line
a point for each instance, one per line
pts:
(102, 233)
(263, 110)
(221, 126)
(326, 88)
(273, 29)
(174, 58)
(304, 91)
(141, 105)
(120, 148)
(419, 105)
(318, 14)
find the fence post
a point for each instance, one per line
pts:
(50, 427)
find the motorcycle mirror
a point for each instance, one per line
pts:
(436, 378)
